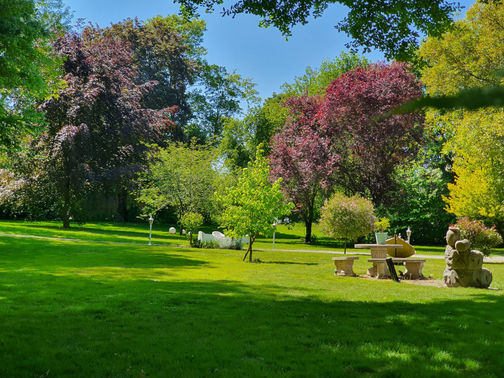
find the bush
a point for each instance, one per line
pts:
(347, 217)
(191, 222)
(481, 237)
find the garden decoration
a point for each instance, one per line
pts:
(463, 266)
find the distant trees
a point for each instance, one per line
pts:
(180, 176)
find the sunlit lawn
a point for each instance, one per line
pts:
(94, 308)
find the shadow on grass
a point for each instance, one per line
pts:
(75, 326)
(49, 255)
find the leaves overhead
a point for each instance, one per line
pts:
(394, 27)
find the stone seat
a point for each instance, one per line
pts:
(413, 268)
(344, 266)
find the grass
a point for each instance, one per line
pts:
(93, 308)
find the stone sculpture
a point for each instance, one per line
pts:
(463, 266)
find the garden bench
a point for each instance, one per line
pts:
(344, 266)
(413, 268)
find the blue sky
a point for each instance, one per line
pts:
(239, 44)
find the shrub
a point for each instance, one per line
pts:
(191, 222)
(382, 224)
(347, 217)
(481, 237)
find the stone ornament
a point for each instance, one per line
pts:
(464, 267)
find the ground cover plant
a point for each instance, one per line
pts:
(95, 308)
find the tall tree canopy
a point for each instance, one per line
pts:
(470, 56)
(96, 123)
(369, 143)
(391, 26)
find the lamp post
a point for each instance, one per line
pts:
(150, 228)
(277, 222)
(408, 233)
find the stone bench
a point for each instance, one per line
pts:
(413, 268)
(344, 266)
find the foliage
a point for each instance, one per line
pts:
(191, 222)
(96, 124)
(347, 217)
(417, 202)
(181, 176)
(28, 67)
(302, 157)
(167, 50)
(373, 24)
(382, 224)
(315, 81)
(368, 144)
(217, 96)
(470, 56)
(252, 205)
(481, 237)
(241, 137)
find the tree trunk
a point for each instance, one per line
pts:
(308, 226)
(65, 211)
(309, 221)
(249, 250)
(122, 204)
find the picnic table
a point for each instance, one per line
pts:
(378, 253)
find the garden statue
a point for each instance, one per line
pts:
(463, 266)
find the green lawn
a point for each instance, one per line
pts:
(93, 308)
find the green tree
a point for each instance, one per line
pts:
(469, 56)
(191, 222)
(28, 67)
(181, 176)
(252, 205)
(315, 81)
(218, 95)
(347, 217)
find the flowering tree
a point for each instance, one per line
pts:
(252, 205)
(368, 141)
(347, 217)
(302, 157)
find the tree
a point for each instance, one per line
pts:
(216, 97)
(28, 68)
(468, 58)
(368, 141)
(252, 205)
(180, 176)
(303, 158)
(347, 217)
(190, 222)
(394, 28)
(314, 82)
(167, 50)
(96, 123)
